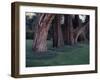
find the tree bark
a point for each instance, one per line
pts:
(57, 32)
(40, 38)
(68, 30)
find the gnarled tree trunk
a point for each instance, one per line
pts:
(40, 38)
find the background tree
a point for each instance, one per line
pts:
(81, 30)
(74, 29)
(68, 30)
(57, 32)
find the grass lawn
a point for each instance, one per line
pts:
(67, 55)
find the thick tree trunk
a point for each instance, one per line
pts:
(68, 30)
(40, 39)
(57, 32)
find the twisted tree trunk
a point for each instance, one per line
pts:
(80, 31)
(41, 32)
(74, 29)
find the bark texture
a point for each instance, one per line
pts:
(57, 32)
(40, 38)
(68, 30)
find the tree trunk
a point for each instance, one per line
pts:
(74, 30)
(80, 31)
(68, 30)
(57, 32)
(40, 38)
(77, 24)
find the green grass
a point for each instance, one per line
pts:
(67, 55)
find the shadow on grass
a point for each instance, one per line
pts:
(67, 55)
(42, 55)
